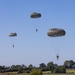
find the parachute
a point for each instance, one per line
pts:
(56, 32)
(13, 35)
(35, 15)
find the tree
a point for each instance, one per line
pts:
(69, 64)
(30, 66)
(23, 66)
(50, 65)
(42, 66)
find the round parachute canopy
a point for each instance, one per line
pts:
(56, 32)
(12, 34)
(35, 15)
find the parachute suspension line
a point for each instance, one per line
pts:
(58, 48)
(55, 50)
(61, 43)
(13, 42)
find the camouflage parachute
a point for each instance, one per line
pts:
(12, 34)
(35, 15)
(56, 32)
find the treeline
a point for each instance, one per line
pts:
(50, 66)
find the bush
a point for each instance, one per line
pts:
(27, 71)
(19, 71)
(36, 72)
(60, 69)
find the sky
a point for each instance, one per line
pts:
(31, 47)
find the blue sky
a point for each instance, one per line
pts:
(31, 47)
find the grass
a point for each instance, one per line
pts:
(29, 74)
(46, 72)
(68, 72)
(60, 74)
(14, 74)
